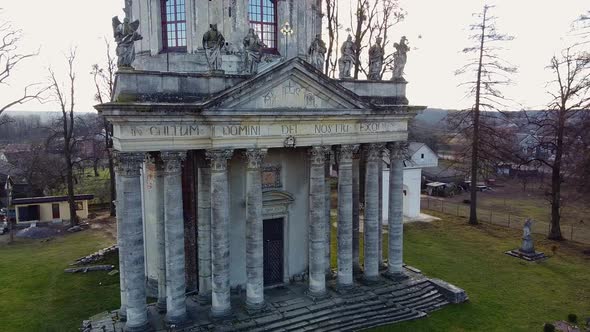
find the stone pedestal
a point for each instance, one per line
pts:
(395, 213)
(204, 229)
(317, 223)
(345, 208)
(220, 292)
(373, 154)
(174, 224)
(131, 238)
(254, 231)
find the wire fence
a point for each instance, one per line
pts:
(506, 219)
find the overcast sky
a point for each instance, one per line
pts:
(540, 28)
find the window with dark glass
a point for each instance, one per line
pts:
(174, 25)
(263, 19)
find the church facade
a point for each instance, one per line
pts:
(223, 172)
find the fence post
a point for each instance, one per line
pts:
(442, 206)
(428, 202)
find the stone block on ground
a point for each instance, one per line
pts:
(452, 293)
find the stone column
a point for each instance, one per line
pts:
(174, 235)
(123, 289)
(345, 203)
(356, 265)
(204, 229)
(380, 219)
(131, 239)
(254, 229)
(317, 223)
(371, 221)
(395, 215)
(220, 293)
(328, 191)
(155, 169)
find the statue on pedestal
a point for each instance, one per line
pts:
(400, 57)
(527, 239)
(317, 52)
(346, 61)
(213, 41)
(252, 52)
(376, 56)
(126, 35)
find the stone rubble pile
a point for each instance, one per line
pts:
(95, 257)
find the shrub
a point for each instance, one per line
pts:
(572, 318)
(549, 327)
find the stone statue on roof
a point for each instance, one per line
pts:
(347, 60)
(126, 35)
(376, 57)
(400, 57)
(252, 52)
(317, 52)
(213, 42)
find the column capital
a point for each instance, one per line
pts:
(219, 158)
(153, 161)
(128, 163)
(173, 161)
(254, 157)
(318, 154)
(397, 150)
(374, 151)
(346, 152)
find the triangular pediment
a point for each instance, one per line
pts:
(292, 85)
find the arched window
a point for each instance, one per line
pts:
(173, 25)
(263, 19)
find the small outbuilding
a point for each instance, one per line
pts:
(419, 156)
(49, 209)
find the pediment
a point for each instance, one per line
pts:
(291, 86)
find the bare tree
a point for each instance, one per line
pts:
(104, 81)
(373, 18)
(333, 34)
(65, 96)
(10, 59)
(558, 128)
(486, 72)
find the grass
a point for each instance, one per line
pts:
(506, 294)
(36, 294)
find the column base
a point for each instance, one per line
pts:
(203, 298)
(343, 288)
(369, 281)
(255, 307)
(221, 314)
(122, 315)
(161, 306)
(315, 296)
(177, 322)
(146, 327)
(395, 276)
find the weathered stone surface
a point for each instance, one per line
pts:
(395, 213)
(452, 293)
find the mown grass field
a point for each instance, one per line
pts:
(36, 294)
(506, 294)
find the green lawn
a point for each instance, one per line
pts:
(35, 293)
(506, 294)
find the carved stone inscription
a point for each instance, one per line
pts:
(320, 128)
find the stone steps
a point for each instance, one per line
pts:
(360, 309)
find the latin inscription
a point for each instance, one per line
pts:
(257, 130)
